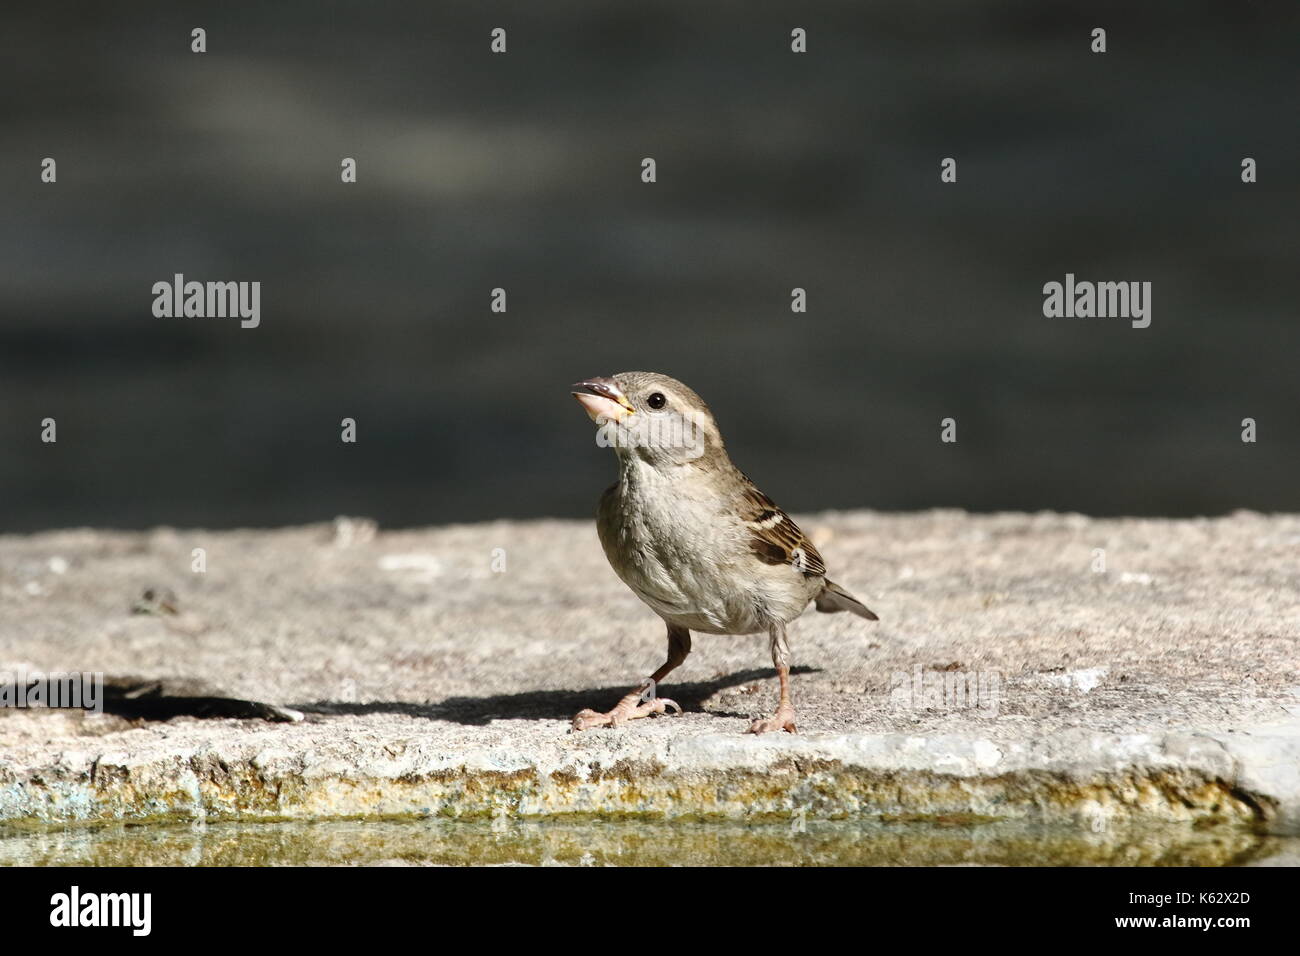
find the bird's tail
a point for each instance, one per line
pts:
(834, 598)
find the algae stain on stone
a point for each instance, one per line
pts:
(205, 787)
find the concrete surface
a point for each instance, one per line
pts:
(1163, 690)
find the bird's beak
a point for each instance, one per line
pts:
(602, 399)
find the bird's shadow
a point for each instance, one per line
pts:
(545, 704)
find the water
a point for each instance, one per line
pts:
(929, 842)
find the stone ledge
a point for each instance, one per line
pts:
(1161, 690)
(348, 767)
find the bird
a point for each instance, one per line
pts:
(695, 539)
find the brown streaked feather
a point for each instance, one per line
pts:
(774, 537)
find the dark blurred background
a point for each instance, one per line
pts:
(522, 171)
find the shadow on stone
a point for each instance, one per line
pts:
(141, 698)
(545, 704)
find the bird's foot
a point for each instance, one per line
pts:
(629, 708)
(783, 719)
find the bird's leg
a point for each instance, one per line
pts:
(636, 704)
(783, 719)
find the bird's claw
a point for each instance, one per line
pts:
(783, 719)
(589, 719)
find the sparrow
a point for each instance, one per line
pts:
(694, 538)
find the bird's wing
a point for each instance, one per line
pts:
(774, 537)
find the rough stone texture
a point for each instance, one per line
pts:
(1161, 690)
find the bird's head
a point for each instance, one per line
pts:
(651, 416)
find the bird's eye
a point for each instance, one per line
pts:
(657, 400)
